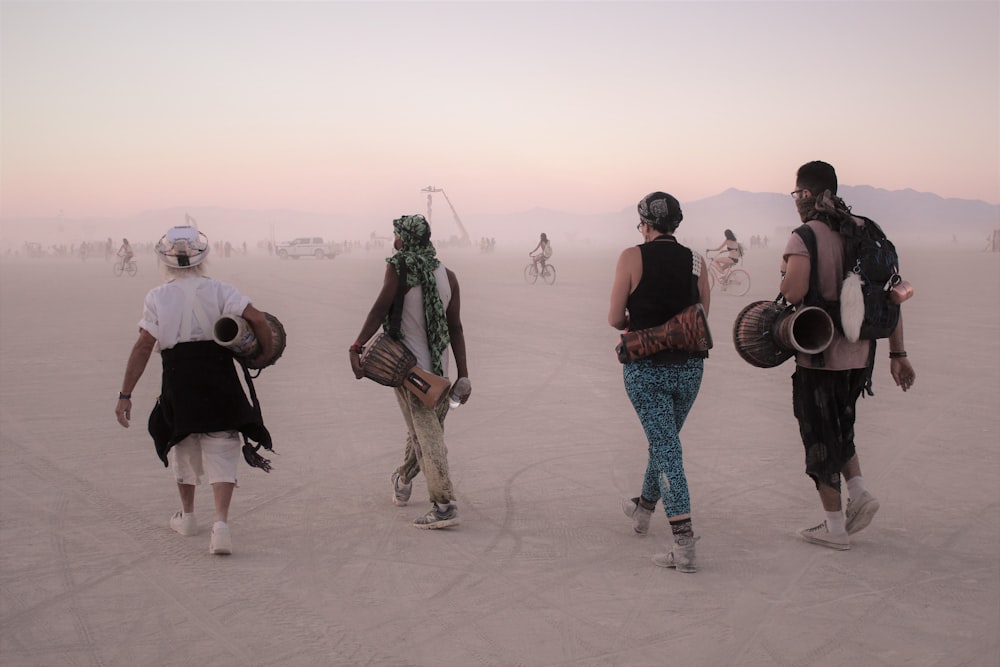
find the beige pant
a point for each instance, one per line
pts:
(425, 448)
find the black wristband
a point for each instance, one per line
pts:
(897, 355)
(127, 397)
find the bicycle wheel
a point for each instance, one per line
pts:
(549, 274)
(531, 273)
(738, 282)
(132, 268)
(118, 268)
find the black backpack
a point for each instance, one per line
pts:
(871, 270)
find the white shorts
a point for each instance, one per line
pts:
(214, 455)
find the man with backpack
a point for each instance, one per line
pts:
(826, 386)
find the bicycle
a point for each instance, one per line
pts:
(732, 280)
(544, 269)
(120, 267)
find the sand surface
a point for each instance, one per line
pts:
(544, 569)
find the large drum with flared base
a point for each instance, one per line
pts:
(767, 333)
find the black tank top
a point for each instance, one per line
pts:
(668, 284)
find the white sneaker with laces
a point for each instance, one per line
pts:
(860, 512)
(822, 536)
(222, 541)
(185, 524)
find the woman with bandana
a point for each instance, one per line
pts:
(653, 282)
(419, 304)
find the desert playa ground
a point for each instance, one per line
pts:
(544, 569)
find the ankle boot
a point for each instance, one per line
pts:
(680, 557)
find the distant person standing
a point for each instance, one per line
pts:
(825, 394)
(202, 407)
(653, 282)
(541, 252)
(420, 305)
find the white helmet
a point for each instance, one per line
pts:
(183, 247)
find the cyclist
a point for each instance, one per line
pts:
(725, 261)
(125, 252)
(544, 249)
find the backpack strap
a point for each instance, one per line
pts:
(813, 296)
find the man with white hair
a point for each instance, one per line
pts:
(202, 408)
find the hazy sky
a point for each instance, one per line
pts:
(111, 108)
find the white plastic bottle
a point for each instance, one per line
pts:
(459, 391)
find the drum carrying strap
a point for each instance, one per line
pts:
(394, 326)
(192, 308)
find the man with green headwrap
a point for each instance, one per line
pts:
(419, 305)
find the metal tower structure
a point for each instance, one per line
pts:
(430, 190)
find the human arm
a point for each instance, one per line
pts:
(376, 316)
(262, 332)
(627, 274)
(704, 289)
(718, 247)
(137, 361)
(900, 367)
(795, 278)
(456, 333)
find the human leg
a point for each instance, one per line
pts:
(220, 452)
(861, 505)
(662, 397)
(185, 461)
(824, 403)
(427, 436)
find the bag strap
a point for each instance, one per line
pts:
(396, 313)
(813, 295)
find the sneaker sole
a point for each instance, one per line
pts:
(824, 543)
(220, 551)
(670, 564)
(438, 524)
(863, 517)
(397, 502)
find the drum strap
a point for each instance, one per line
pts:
(396, 313)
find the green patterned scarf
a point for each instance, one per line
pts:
(421, 260)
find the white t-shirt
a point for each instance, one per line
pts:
(414, 324)
(164, 307)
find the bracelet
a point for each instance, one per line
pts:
(356, 347)
(127, 397)
(897, 355)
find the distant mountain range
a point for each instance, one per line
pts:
(902, 213)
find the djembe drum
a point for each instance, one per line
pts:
(234, 332)
(687, 331)
(389, 363)
(768, 333)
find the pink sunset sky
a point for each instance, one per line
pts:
(112, 108)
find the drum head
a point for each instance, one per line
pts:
(277, 337)
(753, 335)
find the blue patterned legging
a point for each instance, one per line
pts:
(662, 396)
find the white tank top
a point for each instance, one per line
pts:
(414, 324)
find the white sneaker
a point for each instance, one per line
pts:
(821, 535)
(222, 542)
(860, 512)
(185, 524)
